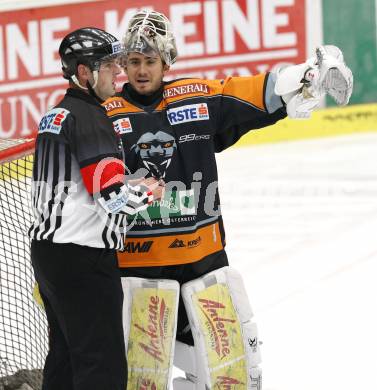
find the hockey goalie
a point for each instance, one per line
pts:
(184, 305)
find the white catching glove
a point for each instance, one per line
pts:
(302, 86)
(336, 78)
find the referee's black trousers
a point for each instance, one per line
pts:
(83, 297)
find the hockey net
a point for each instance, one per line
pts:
(23, 327)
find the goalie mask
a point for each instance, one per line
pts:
(149, 33)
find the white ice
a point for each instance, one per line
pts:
(301, 225)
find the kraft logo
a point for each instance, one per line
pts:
(122, 126)
(177, 244)
(189, 113)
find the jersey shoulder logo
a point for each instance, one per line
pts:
(113, 104)
(188, 113)
(52, 122)
(186, 89)
(122, 126)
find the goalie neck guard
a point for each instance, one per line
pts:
(149, 33)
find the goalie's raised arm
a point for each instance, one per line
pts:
(302, 86)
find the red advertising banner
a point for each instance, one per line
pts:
(215, 39)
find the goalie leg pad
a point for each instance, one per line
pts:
(150, 323)
(186, 358)
(226, 348)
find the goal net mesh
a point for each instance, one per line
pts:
(23, 326)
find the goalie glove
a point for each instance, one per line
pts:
(302, 86)
(336, 78)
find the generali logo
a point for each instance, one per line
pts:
(217, 326)
(155, 331)
(113, 105)
(195, 88)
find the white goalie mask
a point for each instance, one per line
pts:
(149, 33)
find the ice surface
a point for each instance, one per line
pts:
(301, 225)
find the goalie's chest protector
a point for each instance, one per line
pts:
(175, 141)
(172, 141)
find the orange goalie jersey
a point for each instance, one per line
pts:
(174, 139)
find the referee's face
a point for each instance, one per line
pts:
(107, 74)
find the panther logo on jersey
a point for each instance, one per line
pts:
(156, 151)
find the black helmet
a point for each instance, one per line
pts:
(88, 46)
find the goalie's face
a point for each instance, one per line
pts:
(145, 73)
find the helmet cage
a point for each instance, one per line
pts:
(150, 31)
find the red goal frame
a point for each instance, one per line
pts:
(12, 149)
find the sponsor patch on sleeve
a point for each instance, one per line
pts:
(52, 122)
(122, 126)
(189, 113)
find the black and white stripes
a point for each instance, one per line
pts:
(63, 209)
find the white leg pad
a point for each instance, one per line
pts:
(150, 323)
(226, 341)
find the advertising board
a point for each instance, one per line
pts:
(215, 39)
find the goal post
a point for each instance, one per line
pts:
(23, 326)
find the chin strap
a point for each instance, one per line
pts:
(95, 77)
(76, 81)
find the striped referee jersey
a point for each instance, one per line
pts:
(77, 157)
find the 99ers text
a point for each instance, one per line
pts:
(193, 137)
